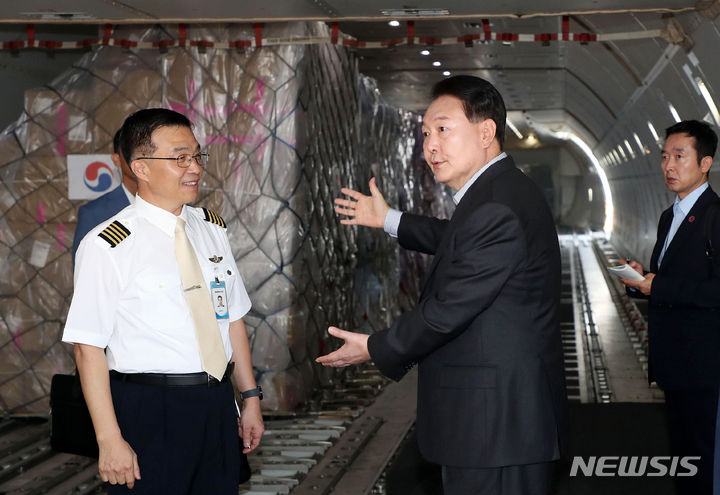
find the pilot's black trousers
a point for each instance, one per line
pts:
(186, 438)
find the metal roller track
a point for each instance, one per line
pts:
(597, 369)
(309, 453)
(28, 466)
(572, 352)
(633, 321)
(318, 451)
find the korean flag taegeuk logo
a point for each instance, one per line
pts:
(90, 176)
(98, 177)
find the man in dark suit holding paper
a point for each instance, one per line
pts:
(485, 333)
(683, 288)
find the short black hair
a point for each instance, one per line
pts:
(705, 138)
(136, 131)
(116, 141)
(480, 99)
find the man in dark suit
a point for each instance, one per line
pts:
(100, 209)
(684, 297)
(491, 399)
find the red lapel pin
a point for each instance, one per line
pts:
(691, 219)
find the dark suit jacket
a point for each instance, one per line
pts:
(485, 331)
(684, 306)
(96, 211)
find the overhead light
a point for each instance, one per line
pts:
(425, 52)
(414, 12)
(653, 132)
(514, 129)
(622, 153)
(589, 194)
(629, 148)
(639, 143)
(394, 23)
(609, 223)
(708, 99)
(437, 63)
(674, 112)
(618, 161)
(446, 73)
(57, 16)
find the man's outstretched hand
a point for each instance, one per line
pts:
(353, 351)
(369, 211)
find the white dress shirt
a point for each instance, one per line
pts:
(129, 298)
(392, 218)
(681, 208)
(130, 196)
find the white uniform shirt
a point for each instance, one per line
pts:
(129, 298)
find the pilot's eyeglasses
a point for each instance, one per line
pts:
(183, 161)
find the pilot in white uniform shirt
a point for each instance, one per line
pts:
(128, 293)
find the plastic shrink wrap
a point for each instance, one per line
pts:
(286, 127)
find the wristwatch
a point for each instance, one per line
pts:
(253, 392)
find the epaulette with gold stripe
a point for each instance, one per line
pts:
(212, 217)
(114, 233)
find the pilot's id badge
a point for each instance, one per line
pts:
(219, 299)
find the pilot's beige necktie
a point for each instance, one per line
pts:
(212, 351)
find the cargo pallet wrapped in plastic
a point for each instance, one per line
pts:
(286, 127)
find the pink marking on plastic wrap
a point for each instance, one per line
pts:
(261, 150)
(236, 172)
(192, 92)
(187, 108)
(233, 138)
(41, 209)
(221, 112)
(62, 125)
(255, 108)
(17, 339)
(183, 109)
(61, 237)
(285, 110)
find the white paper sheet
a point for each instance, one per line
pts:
(625, 271)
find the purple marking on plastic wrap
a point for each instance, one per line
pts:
(17, 339)
(61, 236)
(41, 209)
(62, 125)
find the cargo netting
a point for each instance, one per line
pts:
(286, 127)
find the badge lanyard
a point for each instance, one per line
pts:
(218, 293)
